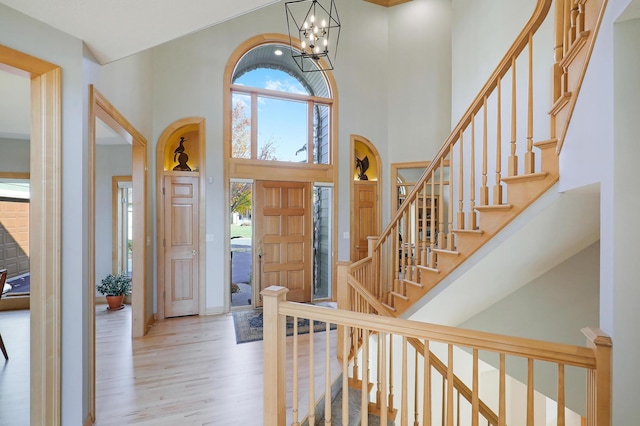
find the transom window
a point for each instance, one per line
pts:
(278, 112)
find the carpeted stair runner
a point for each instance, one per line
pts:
(355, 398)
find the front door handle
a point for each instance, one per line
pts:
(194, 252)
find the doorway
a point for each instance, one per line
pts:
(45, 233)
(181, 245)
(101, 111)
(180, 194)
(15, 248)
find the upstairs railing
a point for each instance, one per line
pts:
(422, 395)
(490, 150)
(358, 299)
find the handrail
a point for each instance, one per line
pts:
(359, 288)
(440, 367)
(595, 360)
(539, 15)
(576, 356)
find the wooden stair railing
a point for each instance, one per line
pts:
(360, 300)
(422, 244)
(419, 399)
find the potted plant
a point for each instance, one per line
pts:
(115, 287)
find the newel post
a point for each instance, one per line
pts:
(274, 332)
(599, 380)
(344, 302)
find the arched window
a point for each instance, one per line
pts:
(279, 113)
(279, 133)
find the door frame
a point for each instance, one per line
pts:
(45, 239)
(182, 125)
(100, 107)
(352, 219)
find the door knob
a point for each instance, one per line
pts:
(194, 252)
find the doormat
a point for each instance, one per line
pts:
(248, 325)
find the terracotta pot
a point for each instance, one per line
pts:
(115, 302)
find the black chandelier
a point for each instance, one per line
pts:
(317, 25)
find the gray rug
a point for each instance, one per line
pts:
(248, 325)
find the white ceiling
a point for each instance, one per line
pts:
(114, 29)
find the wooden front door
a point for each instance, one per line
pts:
(181, 245)
(283, 232)
(365, 212)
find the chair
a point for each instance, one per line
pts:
(5, 289)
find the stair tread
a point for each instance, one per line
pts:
(427, 268)
(389, 307)
(355, 399)
(549, 143)
(497, 207)
(413, 283)
(396, 294)
(468, 231)
(575, 47)
(525, 177)
(561, 102)
(444, 251)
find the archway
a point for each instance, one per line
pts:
(365, 185)
(184, 136)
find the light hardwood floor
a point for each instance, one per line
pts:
(186, 371)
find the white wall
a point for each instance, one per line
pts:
(419, 79)
(128, 86)
(553, 307)
(601, 148)
(188, 81)
(419, 84)
(35, 38)
(623, 318)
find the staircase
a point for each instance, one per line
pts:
(485, 175)
(474, 187)
(480, 181)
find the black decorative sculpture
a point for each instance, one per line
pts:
(182, 157)
(362, 166)
(180, 148)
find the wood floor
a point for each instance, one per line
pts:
(186, 371)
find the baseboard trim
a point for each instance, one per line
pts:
(88, 421)
(215, 311)
(149, 323)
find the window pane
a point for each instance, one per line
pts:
(322, 232)
(282, 130)
(241, 243)
(241, 126)
(272, 79)
(321, 151)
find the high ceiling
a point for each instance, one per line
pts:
(114, 29)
